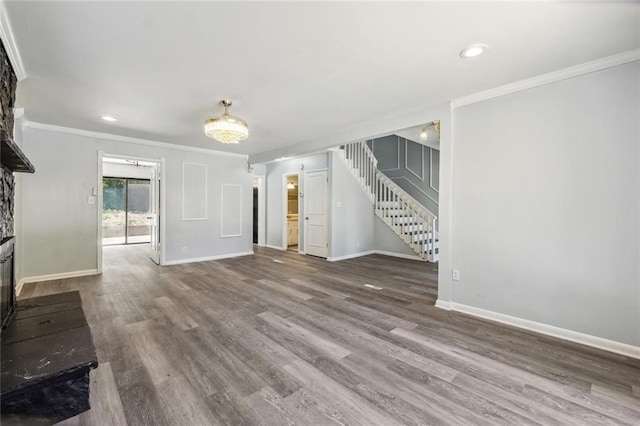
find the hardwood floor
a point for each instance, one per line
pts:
(280, 338)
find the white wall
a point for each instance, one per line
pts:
(549, 231)
(60, 229)
(387, 241)
(275, 172)
(351, 213)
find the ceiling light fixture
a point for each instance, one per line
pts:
(473, 51)
(424, 131)
(226, 128)
(109, 118)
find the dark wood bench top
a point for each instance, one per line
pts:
(48, 341)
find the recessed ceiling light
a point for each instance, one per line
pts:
(473, 51)
(108, 118)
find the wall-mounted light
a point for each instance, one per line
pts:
(424, 131)
(291, 185)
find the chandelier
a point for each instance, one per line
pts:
(226, 128)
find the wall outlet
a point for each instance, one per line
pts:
(339, 203)
(456, 275)
(358, 244)
(184, 249)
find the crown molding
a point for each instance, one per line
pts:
(552, 77)
(9, 42)
(127, 139)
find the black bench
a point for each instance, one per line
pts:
(47, 354)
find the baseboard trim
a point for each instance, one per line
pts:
(207, 258)
(443, 305)
(275, 247)
(549, 330)
(350, 256)
(400, 255)
(367, 253)
(51, 277)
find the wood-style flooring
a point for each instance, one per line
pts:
(280, 338)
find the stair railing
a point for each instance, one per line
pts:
(409, 219)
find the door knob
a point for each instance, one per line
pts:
(306, 218)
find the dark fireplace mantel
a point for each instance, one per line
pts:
(12, 156)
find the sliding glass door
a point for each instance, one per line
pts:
(126, 211)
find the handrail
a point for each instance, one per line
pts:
(405, 195)
(405, 215)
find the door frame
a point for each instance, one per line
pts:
(262, 210)
(285, 199)
(327, 207)
(126, 206)
(161, 162)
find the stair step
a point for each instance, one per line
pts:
(388, 204)
(421, 236)
(395, 212)
(410, 229)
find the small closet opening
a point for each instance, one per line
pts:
(292, 213)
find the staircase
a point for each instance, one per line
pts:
(402, 213)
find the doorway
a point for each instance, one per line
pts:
(126, 205)
(129, 204)
(292, 230)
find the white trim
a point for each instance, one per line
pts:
(51, 277)
(206, 192)
(437, 190)
(275, 247)
(127, 139)
(406, 166)
(9, 42)
(549, 330)
(100, 206)
(350, 256)
(222, 210)
(208, 258)
(162, 237)
(367, 253)
(443, 305)
(400, 255)
(552, 77)
(162, 165)
(262, 210)
(285, 206)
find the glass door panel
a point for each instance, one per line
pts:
(138, 211)
(114, 211)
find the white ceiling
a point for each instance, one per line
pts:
(296, 72)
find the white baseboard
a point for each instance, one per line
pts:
(51, 277)
(366, 253)
(443, 305)
(549, 330)
(400, 255)
(207, 258)
(275, 247)
(350, 256)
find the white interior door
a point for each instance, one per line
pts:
(315, 213)
(154, 214)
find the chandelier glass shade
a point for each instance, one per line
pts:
(226, 128)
